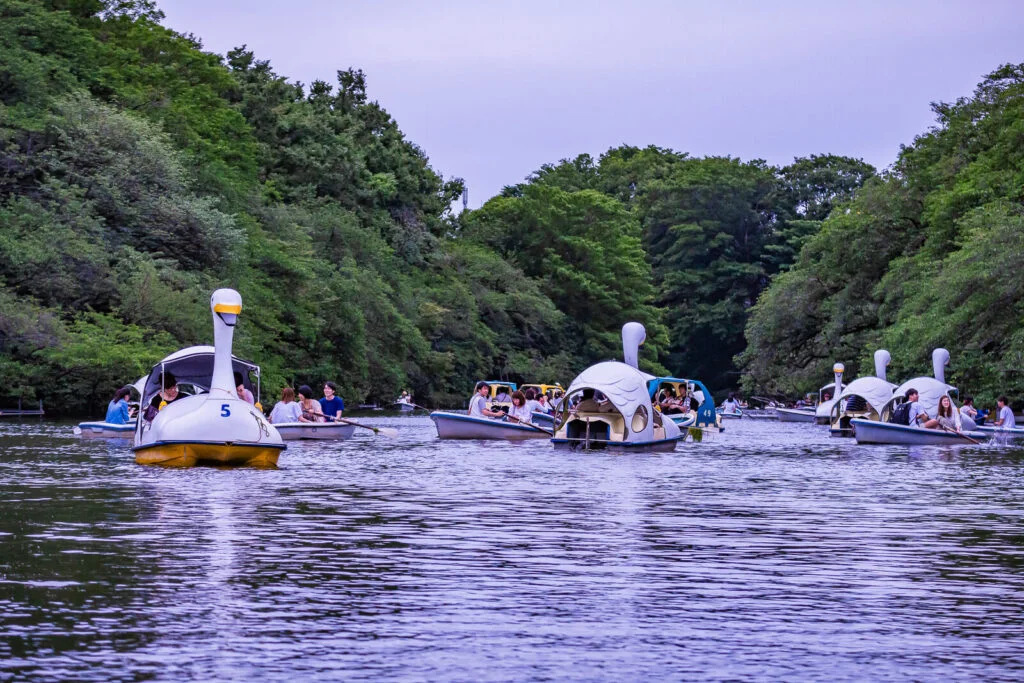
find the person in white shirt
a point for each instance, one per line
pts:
(916, 414)
(532, 403)
(731, 405)
(1005, 417)
(286, 410)
(520, 411)
(478, 404)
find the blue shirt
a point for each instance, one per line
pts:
(117, 413)
(332, 407)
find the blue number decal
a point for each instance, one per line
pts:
(225, 410)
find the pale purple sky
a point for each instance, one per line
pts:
(493, 90)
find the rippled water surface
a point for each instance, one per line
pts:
(771, 551)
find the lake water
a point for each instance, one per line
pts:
(771, 551)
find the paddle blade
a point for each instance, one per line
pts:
(387, 431)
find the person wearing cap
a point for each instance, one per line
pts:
(478, 404)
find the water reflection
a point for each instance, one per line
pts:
(770, 551)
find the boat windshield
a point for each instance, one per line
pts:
(195, 371)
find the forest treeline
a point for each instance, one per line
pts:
(139, 172)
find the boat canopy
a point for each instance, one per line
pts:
(624, 385)
(929, 390)
(194, 365)
(875, 391)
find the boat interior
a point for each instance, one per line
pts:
(598, 423)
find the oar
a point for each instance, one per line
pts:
(531, 425)
(960, 434)
(379, 431)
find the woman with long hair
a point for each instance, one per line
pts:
(311, 410)
(947, 418)
(118, 412)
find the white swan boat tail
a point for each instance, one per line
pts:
(214, 426)
(863, 398)
(608, 406)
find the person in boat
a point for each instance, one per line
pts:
(520, 411)
(118, 410)
(168, 394)
(502, 396)
(478, 404)
(543, 405)
(243, 393)
(915, 413)
(731, 405)
(287, 409)
(669, 403)
(331, 404)
(947, 418)
(693, 392)
(1004, 418)
(532, 402)
(311, 410)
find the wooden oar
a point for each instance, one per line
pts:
(531, 425)
(379, 431)
(960, 434)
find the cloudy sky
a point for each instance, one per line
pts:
(492, 90)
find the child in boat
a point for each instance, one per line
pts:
(286, 410)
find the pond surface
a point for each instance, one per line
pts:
(771, 551)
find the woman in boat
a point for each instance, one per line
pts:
(118, 411)
(946, 419)
(520, 411)
(731, 405)
(168, 394)
(286, 410)
(532, 403)
(311, 410)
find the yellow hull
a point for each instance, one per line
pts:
(191, 454)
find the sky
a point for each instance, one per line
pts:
(492, 90)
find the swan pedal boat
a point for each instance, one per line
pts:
(461, 426)
(875, 432)
(315, 431)
(216, 427)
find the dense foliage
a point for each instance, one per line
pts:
(139, 172)
(930, 254)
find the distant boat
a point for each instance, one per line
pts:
(99, 429)
(823, 411)
(214, 426)
(863, 398)
(608, 406)
(461, 426)
(796, 414)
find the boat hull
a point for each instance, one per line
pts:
(874, 432)
(1013, 433)
(545, 420)
(662, 446)
(404, 407)
(104, 430)
(192, 453)
(683, 420)
(322, 431)
(459, 426)
(730, 416)
(795, 415)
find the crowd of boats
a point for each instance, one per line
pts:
(197, 406)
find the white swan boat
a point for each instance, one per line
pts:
(319, 431)
(863, 398)
(608, 406)
(216, 426)
(823, 411)
(461, 426)
(930, 391)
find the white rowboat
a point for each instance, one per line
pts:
(326, 431)
(872, 431)
(460, 426)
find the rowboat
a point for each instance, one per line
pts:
(461, 426)
(404, 406)
(795, 414)
(213, 426)
(930, 391)
(1006, 432)
(863, 398)
(608, 406)
(323, 431)
(100, 429)
(875, 432)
